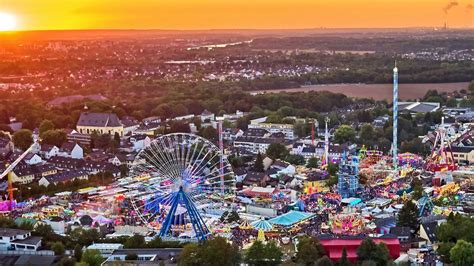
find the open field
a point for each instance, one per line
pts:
(377, 91)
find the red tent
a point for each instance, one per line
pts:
(335, 246)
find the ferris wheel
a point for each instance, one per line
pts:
(181, 178)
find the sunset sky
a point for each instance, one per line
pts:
(233, 14)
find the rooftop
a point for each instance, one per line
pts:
(99, 120)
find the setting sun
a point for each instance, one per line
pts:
(7, 22)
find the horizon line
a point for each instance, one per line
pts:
(239, 29)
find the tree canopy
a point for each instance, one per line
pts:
(344, 133)
(23, 139)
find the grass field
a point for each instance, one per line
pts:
(378, 91)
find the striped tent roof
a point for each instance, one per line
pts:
(262, 224)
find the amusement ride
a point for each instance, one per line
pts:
(185, 178)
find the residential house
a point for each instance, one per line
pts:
(428, 232)
(286, 129)
(44, 170)
(381, 120)
(100, 123)
(149, 129)
(16, 239)
(32, 159)
(118, 159)
(230, 134)
(71, 150)
(305, 150)
(83, 139)
(130, 124)
(23, 175)
(463, 155)
(207, 116)
(63, 177)
(47, 151)
(256, 133)
(283, 168)
(256, 179)
(98, 156)
(255, 145)
(6, 146)
(140, 142)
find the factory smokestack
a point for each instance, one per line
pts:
(446, 9)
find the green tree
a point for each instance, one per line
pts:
(443, 251)
(236, 161)
(368, 263)
(462, 253)
(312, 162)
(273, 253)
(332, 169)
(209, 133)
(66, 261)
(382, 255)
(415, 146)
(324, 261)
(309, 250)
(255, 254)
(366, 249)
(301, 129)
(417, 188)
(344, 261)
(78, 252)
(46, 125)
(44, 230)
(55, 137)
(189, 256)
(131, 256)
(23, 139)
(135, 241)
(58, 248)
(408, 216)
(277, 151)
(242, 123)
(295, 159)
(92, 257)
(258, 165)
(369, 251)
(84, 237)
(263, 254)
(156, 242)
(344, 133)
(367, 134)
(218, 251)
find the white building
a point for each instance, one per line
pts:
(207, 116)
(71, 150)
(255, 145)
(140, 142)
(16, 239)
(286, 129)
(33, 159)
(48, 151)
(106, 249)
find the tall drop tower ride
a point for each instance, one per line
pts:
(395, 119)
